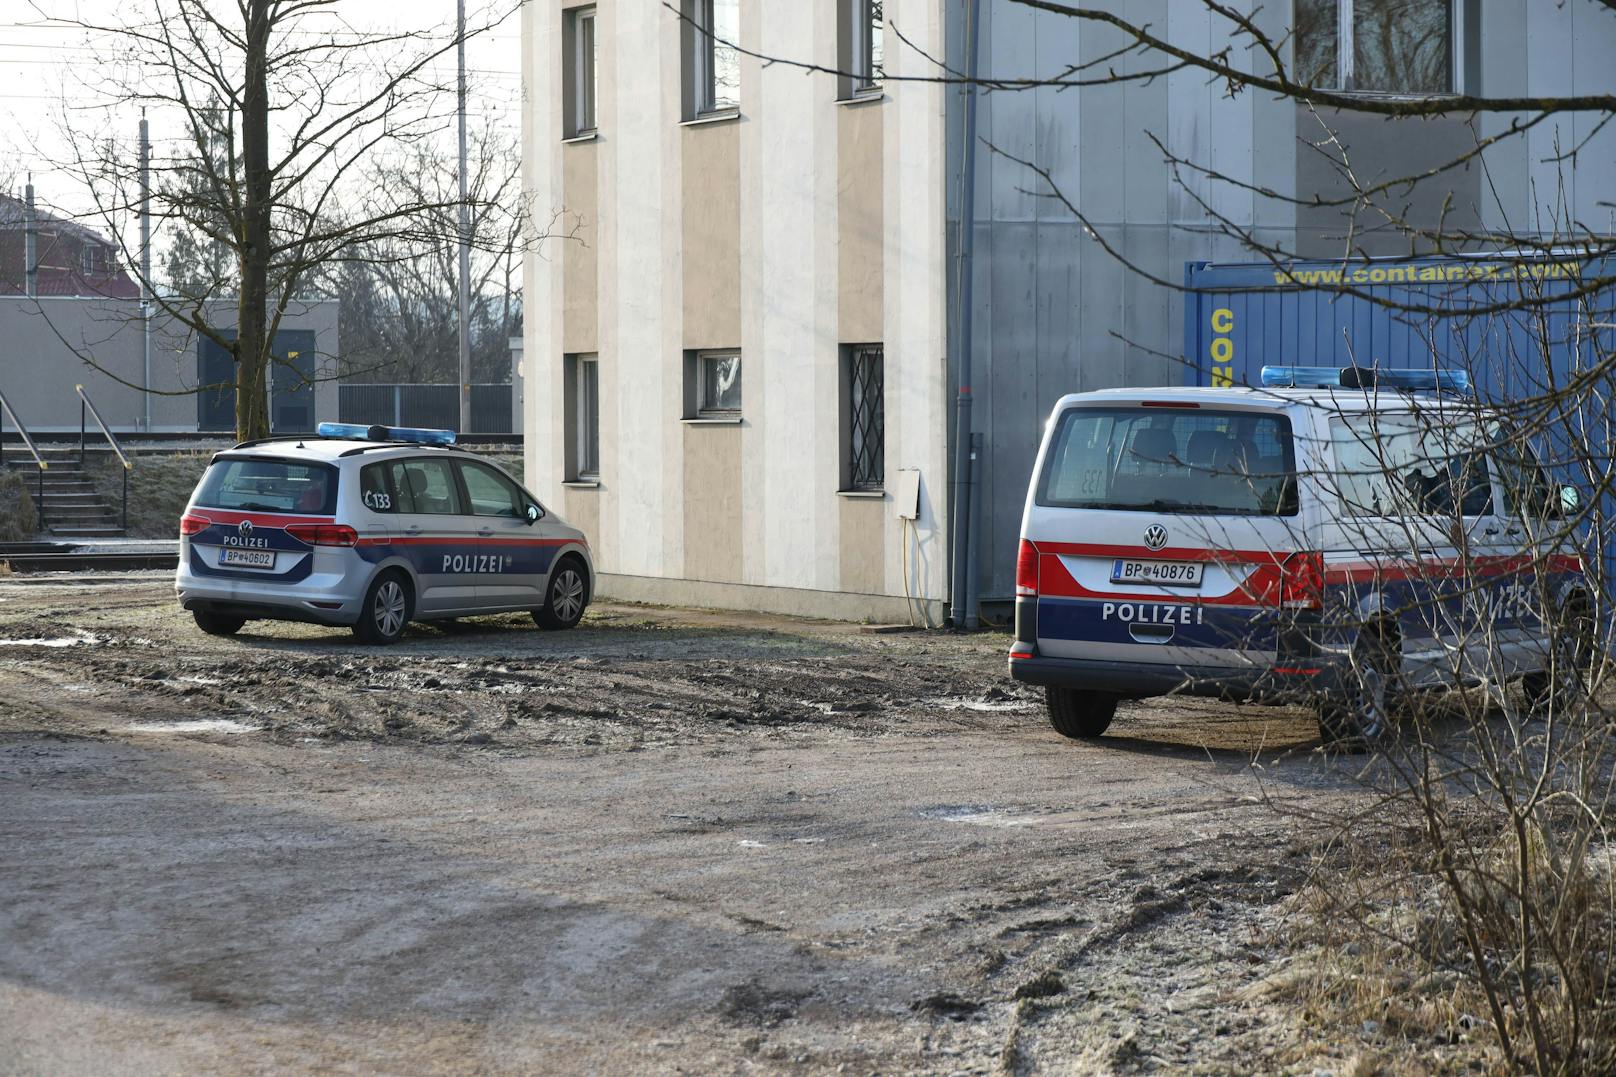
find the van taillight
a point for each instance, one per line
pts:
(1301, 581)
(323, 534)
(1026, 569)
(191, 523)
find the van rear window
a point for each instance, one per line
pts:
(256, 484)
(1218, 463)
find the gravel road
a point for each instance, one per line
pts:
(665, 841)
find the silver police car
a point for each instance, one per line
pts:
(372, 527)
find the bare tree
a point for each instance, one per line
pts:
(285, 105)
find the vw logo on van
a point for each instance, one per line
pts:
(245, 530)
(1155, 536)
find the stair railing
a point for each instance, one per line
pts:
(123, 457)
(28, 442)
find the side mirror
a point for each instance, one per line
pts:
(533, 513)
(1570, 500)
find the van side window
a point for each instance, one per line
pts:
(374, 490)
(1395, 465)
(425, 486)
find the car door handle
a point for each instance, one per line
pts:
(485, 532)
(413, 529)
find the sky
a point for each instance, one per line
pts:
(44, 69)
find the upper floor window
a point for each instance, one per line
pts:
(863, 49)
(89, 259)
(579, 63)
(1378, 46)
(718, 385)
(712, 59)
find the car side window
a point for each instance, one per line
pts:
(375, 491)
(491, 493)
(1391, 465)
(425, 485)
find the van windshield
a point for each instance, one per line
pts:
(1171, 460)
(259, 484)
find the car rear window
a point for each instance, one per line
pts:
(259, 484)
(1171, 460)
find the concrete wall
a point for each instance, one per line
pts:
(795, 228)
(1056, 311)
(52, 344)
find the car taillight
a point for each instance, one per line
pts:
(323, 534)
(1026, 569)
(191, 523)
(1301, 581)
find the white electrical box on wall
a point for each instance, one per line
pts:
(906, 493)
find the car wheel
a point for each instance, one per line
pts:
(217, 624)
(1361, 715)
(1571, 647)
(1078, 713)
(385, 611)
(567, 597)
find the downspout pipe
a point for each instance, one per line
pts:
(963, 608)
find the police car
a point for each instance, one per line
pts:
(372, 527)
(1344, 537)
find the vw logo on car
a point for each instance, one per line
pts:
(1155, 536)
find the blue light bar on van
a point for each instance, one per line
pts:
(359, 432)
(1359, 377)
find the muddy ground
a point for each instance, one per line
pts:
(667, 841)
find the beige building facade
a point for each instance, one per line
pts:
(735, 342)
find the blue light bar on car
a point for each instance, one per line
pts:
(359, 432)
(1358, 377)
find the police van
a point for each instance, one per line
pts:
(1342, 537)
(372, 527)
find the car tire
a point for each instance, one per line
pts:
(1360, 716)
(218, 624)
(566, 596)
(1571, 642)
(385, 612)
(1078, 713)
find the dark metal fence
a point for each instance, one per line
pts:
(434, 406)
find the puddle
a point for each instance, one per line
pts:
(980, 815)
(199, 725)
(61, 641)
(954, 703)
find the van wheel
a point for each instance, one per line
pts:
(567, 596)
(386, 609)
(1362, 714)
(1078, 713)
(217, 624)
(1571, 649)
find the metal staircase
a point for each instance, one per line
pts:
(68, 504)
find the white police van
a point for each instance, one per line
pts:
(372, 527)
(1342, 537)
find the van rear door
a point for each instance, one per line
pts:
(1157, 532)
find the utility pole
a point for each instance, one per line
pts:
(465, 232)
(30, 243)
(145, 272)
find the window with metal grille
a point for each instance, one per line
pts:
(866, 418)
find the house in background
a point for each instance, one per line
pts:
(70, 258)
(757, 333)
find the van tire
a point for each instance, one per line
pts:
(1571, 640)
(566, 596)
(386, 610)
(217, 624)
(1361, 715)
(1078, 713)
